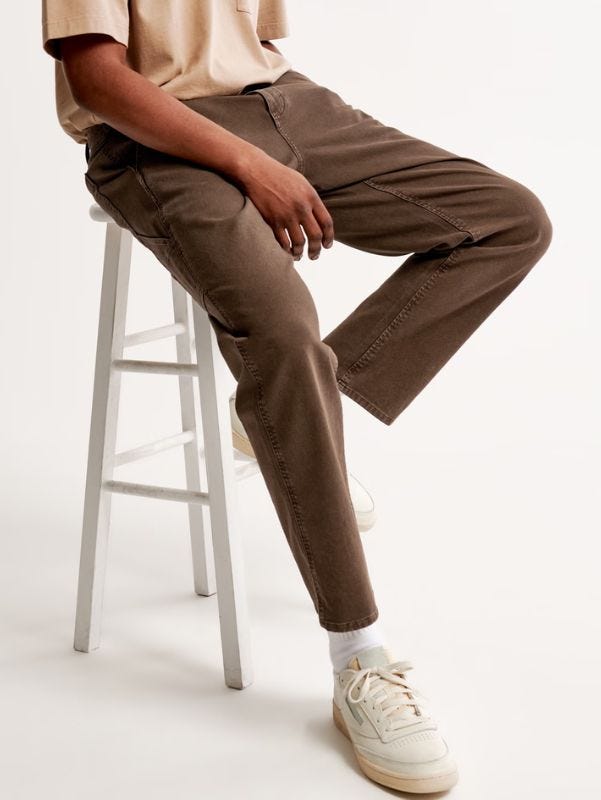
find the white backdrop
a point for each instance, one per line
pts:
(485, 555)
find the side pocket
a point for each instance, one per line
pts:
(98, 139)
(111, 209)
(167, 254)
(246, 5)
(122, 194)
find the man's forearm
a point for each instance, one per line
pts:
(101, 81)
(141, 110)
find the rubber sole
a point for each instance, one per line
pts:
(365, 522)
(395, 780)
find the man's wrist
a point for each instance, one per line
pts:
(246, 163)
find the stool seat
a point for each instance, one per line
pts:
(205, 435)
(99, 214)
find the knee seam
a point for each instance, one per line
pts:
(457, 223)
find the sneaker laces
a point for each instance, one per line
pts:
(387, 686)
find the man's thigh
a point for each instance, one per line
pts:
(205, 230)
(389, 192)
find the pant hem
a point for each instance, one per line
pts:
(350, 626)
(364, 402)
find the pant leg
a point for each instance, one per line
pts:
(473, 232)
(211, 237)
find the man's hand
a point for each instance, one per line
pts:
(286, 200)
(101, 80)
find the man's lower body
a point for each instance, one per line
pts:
(472, 234)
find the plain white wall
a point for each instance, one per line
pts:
(485, 557)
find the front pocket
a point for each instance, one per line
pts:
(246, 5)
(277, 103)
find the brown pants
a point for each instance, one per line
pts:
(473, 235)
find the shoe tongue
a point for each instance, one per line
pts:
(378, 656)
(381, 656)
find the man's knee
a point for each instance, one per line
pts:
(525, 222)
(289, 334)
(293, 342)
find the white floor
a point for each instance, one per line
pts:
(479, 582)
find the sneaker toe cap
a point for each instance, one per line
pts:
(419, 755)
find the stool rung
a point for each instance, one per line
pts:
(153, 334)
(157, 492)
(158, 446)
(154, 367)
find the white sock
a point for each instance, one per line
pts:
(344, 644)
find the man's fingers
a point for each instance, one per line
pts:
(314, 236)
(315, 221)
(297, 238)
(282, 238)
(326, 223)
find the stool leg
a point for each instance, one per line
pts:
(198, 515)
(223, 503)
(103, 434)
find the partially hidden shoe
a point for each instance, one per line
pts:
(396, 742)
(363, 503)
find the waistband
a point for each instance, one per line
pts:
(251, 86)
(289, 76)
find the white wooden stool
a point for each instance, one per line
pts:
(217, 557)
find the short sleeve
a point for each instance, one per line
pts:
(62, 18)
(272, 22)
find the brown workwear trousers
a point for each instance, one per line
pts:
(472, 235)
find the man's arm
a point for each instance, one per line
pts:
(101, 81)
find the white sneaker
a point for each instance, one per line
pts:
(395, 740)
(363, 503)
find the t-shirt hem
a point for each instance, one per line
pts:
(273, 30)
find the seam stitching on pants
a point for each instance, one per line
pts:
(117, 215)
(277, 116)
(268, 427)
(137, 171)
(367, 404)
(228, 321)
(454, 221)
(401, 316)
(345, 626)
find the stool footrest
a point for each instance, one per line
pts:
(153, 334)
(157, 492)
(158, 446)
(154, 367)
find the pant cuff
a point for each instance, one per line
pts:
(365, 403)
(352, 625)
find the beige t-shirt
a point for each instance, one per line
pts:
(190, 48)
